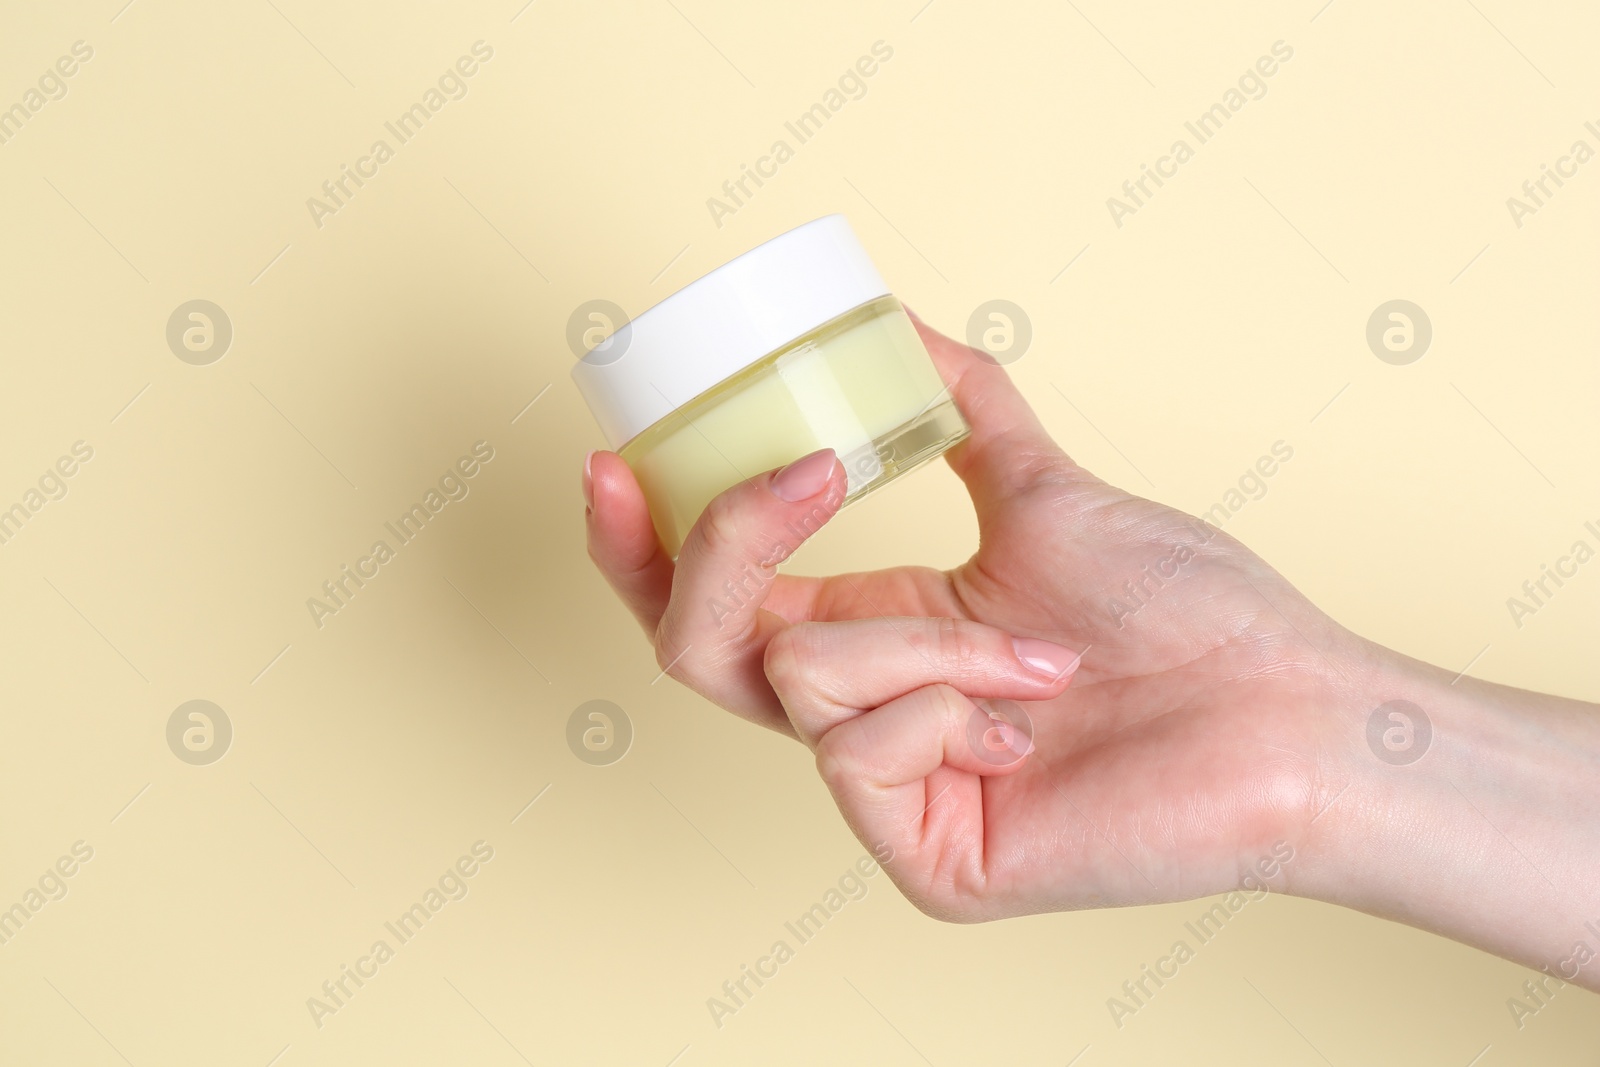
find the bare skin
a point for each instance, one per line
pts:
(1172, 748)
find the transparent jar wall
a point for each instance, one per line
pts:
(861, 384)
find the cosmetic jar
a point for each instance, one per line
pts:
(795, 346)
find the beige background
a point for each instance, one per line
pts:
(370, 353)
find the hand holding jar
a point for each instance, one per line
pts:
(1022, 747)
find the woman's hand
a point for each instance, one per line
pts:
(1112, 703)
(1186, 746)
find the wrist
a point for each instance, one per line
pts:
(1461, 807)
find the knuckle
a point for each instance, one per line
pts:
(1048, 477)
(931, 898)
(936, 909)
(1033, 461)
(781, 662)
(719, 524)
(836, 765)
(956, 647)
(797, 657)
(1045, 467)
(671, 660)
(951, 705)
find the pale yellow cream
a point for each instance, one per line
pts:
(862, 385)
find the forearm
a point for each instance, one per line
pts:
(1490, 837)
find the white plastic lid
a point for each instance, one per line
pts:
(715, 327)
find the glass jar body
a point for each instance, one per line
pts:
(861, 384)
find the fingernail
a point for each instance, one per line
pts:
(1013, 739)
(1052, 661)
(804, 478)
(588, 479)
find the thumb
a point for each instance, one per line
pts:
(1009, 451)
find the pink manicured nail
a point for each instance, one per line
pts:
(1052, 661)
(804, 478)
(588, 479)
(1012, 739)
